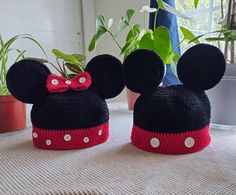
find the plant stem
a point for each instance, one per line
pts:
(64, 68)
(155, 19)
(222, 8)
(82, 70)
(145, 20)
(60, 67)
(55, 67)
(177, 46)
(114, 39)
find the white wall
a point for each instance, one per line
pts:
(115, 9)
(54, 23)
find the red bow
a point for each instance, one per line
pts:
(80, 82)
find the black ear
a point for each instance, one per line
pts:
(201, 67)
(144, 71)
(26, 80)
(107, 75)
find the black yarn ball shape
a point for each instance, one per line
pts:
(26, 81)
(201, 67)
(144, 71)
(107, 75)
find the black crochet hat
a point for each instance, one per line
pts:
(67, 114)
(174, 119)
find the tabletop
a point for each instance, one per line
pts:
(116, 167)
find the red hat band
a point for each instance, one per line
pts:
(171, 143)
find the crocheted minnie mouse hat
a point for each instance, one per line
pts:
(67, 114)
(174, 119)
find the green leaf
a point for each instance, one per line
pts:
(79, 57)
(135, 30)
(188, 35)
(196, 3)
(176, 58)
(110, 22)
(73, 68)
(6, 46)
(160, 4)
(162, 43)
(20, 56)
(199, 36)
(230, 34)
(92, 44)
(100, 31)
(1, 41)
(124, 21)
(5, 49)
(147, 42)
(36, 42)
(71, 76)
(4, 91)
(64, 56)
(131, 43)
(210, 39)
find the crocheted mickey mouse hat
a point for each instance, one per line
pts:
(174, 119)
(67, 114)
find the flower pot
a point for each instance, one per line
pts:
(131, 97)
(223, 98)
(12, 114)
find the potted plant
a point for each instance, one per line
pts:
(67, 65)
(12, 111)
(140, 37)
(224, 94)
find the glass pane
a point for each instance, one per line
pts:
(218, 2)
(200, 18)
(216, 18)
(197, 23)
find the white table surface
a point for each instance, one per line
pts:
(116, 167)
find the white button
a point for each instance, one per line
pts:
(67, 137)
(68, 82)
(35, 135)
(100, 132)
(55, 82)
(86, 140)
(189, 142)
(82, 80)
(48, 142)
(155, 142)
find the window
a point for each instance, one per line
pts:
(203, 19)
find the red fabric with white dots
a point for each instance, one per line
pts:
(70, 139)
(171, 143)
(57, 83)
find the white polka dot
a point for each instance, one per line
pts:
(100, 132)
(82, 80)
(35, 135)
(48, 142)
(68, 82)
(55, 82)
(67, 137)
(155, 142)
(189, 142)
(86, 140)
